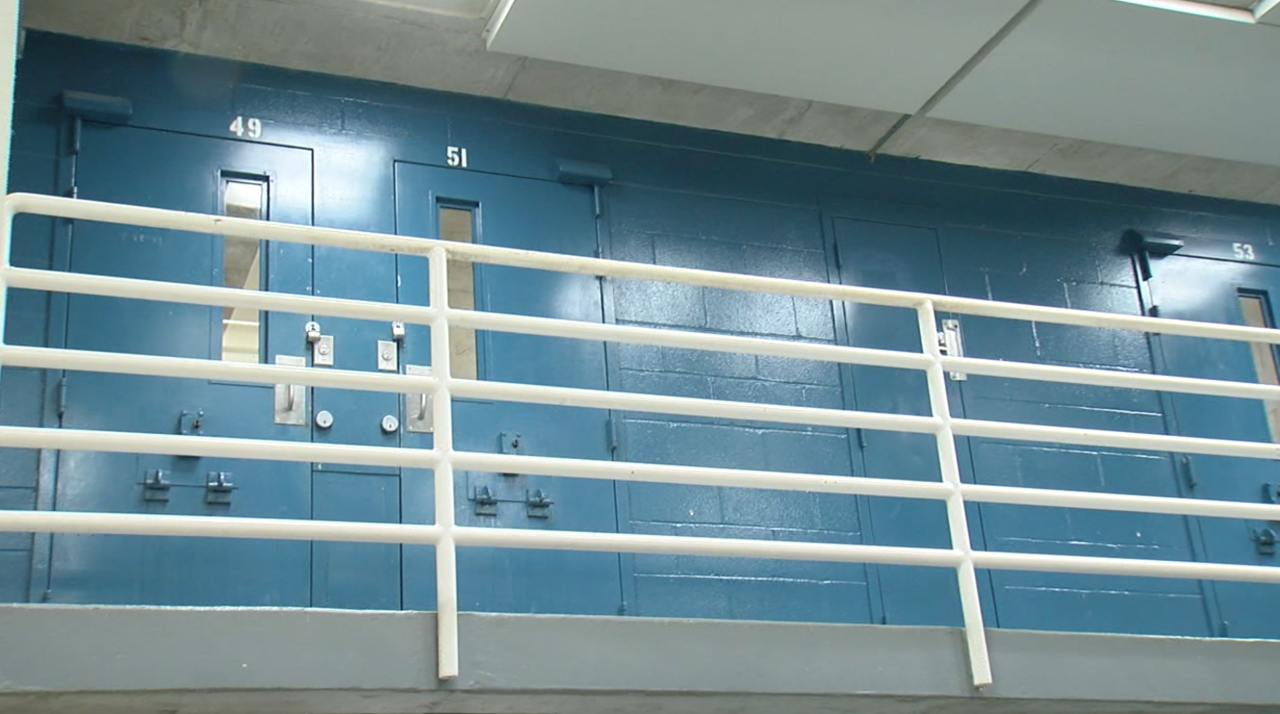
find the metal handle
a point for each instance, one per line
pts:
(418, 417)
(291, 399)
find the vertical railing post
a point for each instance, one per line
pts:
(966, 576)
(442, 414)
(9, 29)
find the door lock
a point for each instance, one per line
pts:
(324, 419)
(321, 345)
(390, 424)
(388, 356)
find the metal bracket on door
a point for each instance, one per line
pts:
(952, 345)
(388, 356)
(291, 399)
(321, 345)
(418, 417)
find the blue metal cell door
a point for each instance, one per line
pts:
(176, 171)
(897, 248)
(898, 256)
(1242, 291)
(512, 212)
(731, 235)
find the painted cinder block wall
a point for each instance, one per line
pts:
(703, 199)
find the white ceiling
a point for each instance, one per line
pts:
(882, 54)
(1124, 74)
(1095, 70)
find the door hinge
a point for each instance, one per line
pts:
(836, 250)
(611, 434)
(1188, 473)
(77, 132)
(61, 397)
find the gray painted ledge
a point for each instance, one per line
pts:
(67, 659)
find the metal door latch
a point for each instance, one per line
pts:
(418, 417)
(1265, 539)
(511, 443)
(486, 502)
(952, 345)
(191, 422)
(291, 399)
(1270, 493)
(397, 331)
(321, 345)
(155, 487)
(538, 504)
(218, 488)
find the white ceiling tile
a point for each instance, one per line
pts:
(1123, 74)
(889, 55)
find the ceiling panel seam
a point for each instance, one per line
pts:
(958, 76)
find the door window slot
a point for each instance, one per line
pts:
(457, 224)
(1257, 313)
(242, 269)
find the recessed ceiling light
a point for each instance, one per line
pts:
(1204, 9)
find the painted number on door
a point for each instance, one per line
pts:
(1243, 251)
(456, 157)
(251, 127)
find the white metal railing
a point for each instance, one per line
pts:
(447, 536)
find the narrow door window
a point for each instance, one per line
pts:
(456, 224)
(242, 269)
(1256, 312)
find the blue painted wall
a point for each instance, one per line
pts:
(688, 198)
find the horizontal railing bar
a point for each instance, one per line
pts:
(355, 240)
(698, 476)
(122, 442)
(360, 532)
(149, 524)
(1109, 378)
(714, 547)
(1114, 439)
(1093, 565)
(686, 339)
(187, 294)
(303, 304)
(187, 368)
(1132, 503)
(689, 406)
(1107, 320)
(855, 485)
